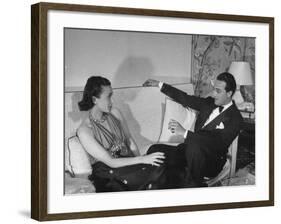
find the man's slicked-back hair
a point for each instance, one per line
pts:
(92, 88)
(229, 81)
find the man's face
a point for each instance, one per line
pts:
(220, 95)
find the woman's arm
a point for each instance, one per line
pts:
(133, 146)
(98, 152)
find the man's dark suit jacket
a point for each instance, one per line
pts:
(214, 142)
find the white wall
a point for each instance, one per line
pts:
(15, 115)
(126, 58)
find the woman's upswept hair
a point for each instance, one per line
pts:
(92, 88)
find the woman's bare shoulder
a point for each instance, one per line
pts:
(84, 128)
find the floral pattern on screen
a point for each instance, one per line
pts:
(214, 54)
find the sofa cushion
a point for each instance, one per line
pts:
(77, 160)
(185, 116)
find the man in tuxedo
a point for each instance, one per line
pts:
(218, 123)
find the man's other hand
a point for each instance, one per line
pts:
(175, 127)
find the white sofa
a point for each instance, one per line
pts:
(146, 111)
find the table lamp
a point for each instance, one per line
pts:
(242, 73)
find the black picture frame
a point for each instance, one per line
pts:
(39, 109)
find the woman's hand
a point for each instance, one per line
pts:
(154, 159)
(151, 82)
(176, 127)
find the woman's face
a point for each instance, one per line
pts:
(104, 102)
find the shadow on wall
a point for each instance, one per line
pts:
(132, 70)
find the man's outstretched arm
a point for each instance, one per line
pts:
(179, 96)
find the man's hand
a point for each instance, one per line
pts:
(151, 82)
(176, 127)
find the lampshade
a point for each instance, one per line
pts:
(242, 72)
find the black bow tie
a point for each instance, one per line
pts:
(220, 108)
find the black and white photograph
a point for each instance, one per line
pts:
(139, 111)
(157, 111)
(136, 111)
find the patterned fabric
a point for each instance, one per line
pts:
(214, 54)
(113, 140)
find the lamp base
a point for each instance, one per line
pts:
(237, 97)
